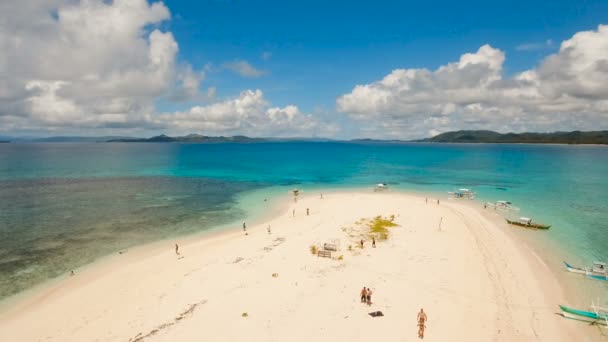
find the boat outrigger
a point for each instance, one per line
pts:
(462, 193)
(598, 270)
(502, 205)
(598, 315)
(527, 223)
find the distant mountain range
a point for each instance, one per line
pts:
(574, 137)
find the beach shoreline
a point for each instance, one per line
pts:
(327, 212)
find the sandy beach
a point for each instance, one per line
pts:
(474, 281)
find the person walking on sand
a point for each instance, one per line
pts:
(307, 211)
(373, 242)
(369, 296)
(245, 228)
(438, 201)
(268, 229)
(364, 295)
(421, 323)
(176, 249)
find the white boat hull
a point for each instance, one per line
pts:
(587, 272)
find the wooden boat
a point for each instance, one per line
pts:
(598, 270)
(462, 193)
(380, 187)
(527, 223)
(502, 205)
(598, 315)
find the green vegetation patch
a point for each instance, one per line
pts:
(379, 226)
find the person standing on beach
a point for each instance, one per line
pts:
(364, 295)
(438, 201)
(268, 230)
(307, 211)
(176, 249)
(373, 242)
(245, 228)
(361, 243)
(421, 323)
(369, 296)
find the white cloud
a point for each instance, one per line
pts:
(244, 69)
(567, 91)
(86, 64)
(535, 46)
(249, 113)
(102, 65)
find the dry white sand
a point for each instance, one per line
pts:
(475, 282)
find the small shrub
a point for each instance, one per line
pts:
(341, 257)
(314, 249)
(350, 247)
(244, 314)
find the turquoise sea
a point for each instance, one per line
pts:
(65, 205)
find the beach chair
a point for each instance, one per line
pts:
(324, 254)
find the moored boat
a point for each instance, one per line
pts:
(502, 205)
(526, 222)
(462, 193)
(381, 187)
(599, 315)
(598, 268)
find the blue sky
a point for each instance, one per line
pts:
(321, 49)
(339, 69)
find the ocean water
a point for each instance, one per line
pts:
(63, 206)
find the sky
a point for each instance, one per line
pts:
(334, 69)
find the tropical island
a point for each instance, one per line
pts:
(574, 137)
(480, 136)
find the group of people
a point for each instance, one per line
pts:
(362, 243)
(366, 296)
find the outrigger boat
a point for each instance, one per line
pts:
(502, 205)
(598, 315)
(527, 223)
(599, 270)
(462, 193)
(381, 187)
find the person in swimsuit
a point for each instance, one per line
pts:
(421, 323)
(369, 296)
(364, 295)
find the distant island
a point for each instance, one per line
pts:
(4, 141)
(477, 136)
(574, 137)
(191, 138)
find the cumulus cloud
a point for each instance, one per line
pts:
(244, 69)
(102, 65)
(249, 113)
(67, 63)
(566, 91)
